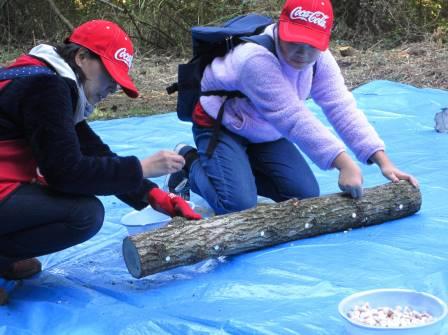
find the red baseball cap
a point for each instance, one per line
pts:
(307, 21)
(113, 46)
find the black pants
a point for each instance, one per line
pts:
(36, 221)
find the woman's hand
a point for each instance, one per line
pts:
(162, 163)
(350, 177)
(395, 175)
(171, 204)
(389, 170)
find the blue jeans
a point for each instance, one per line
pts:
(36, 221)
(238, 171)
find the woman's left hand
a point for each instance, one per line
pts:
(395, 175)
(389, 170)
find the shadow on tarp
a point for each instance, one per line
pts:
(293, 288)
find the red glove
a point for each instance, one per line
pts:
(171, 204)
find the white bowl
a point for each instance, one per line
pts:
(147, 219)
(419, 301)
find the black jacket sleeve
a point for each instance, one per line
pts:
(92, 145)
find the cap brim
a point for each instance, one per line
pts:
(121, 77)
(298, 33)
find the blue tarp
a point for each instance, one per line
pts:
(293, 288)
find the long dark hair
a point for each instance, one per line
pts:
(68, 52)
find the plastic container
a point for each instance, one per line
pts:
(419, 301)
(147, 219)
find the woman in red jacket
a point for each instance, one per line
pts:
(52, 164)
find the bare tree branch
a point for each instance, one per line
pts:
(59, 14)
(131, 16)
(2, 3)
(112, 5)
(134, 21)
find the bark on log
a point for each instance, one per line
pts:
(184, 242)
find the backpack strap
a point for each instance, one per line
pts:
(24, 71)
(218, 122)
(263, 40)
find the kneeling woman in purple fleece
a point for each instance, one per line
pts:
(255, 153)
(52, 164)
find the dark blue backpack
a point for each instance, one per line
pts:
(209, 43)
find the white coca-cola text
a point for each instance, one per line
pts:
(123, 56)
(318, 18)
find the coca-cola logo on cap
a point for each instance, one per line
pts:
(123, 56)
(317, 18)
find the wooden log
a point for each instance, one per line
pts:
(184, 242)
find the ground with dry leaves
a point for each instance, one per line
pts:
(423, 64)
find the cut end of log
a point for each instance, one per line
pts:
(132, 258)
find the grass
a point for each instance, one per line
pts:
(108, 113)
(7, 54)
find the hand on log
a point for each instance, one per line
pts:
(184, 242)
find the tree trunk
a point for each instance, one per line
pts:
(184, 242)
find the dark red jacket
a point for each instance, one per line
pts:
(37, 129)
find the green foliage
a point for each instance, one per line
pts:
(7, 54)
(165, 24)
(398, 21)
(157, 25)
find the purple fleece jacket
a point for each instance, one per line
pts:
(275, 104)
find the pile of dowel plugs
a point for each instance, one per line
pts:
(388, 317)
